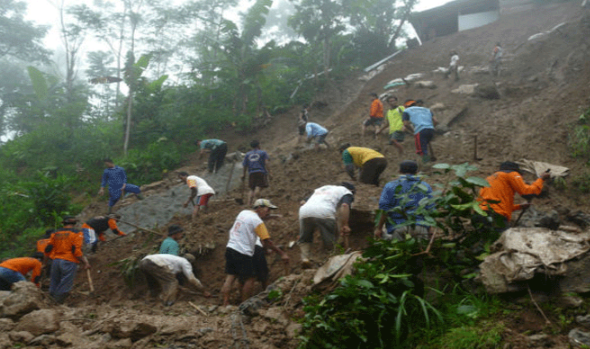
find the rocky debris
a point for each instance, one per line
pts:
(533, 217)
(570, 302)
(425, 84)
(466, 89)
(130, 329)
(540, 340)
(583, 320)
(579, 338)
(24, 298)
(20, 336)
(580, 218)
(39, 322)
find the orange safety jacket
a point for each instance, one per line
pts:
(502, 187)
(100, 225)
(376, 109)
(24, 265)
(66, 244)
(41, 245)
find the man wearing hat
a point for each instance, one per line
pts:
(65, 245)
(498, 198)
(422, 122)
(371, 163)
(319, 213)
(400, 199)
(170, 244)
(239, 253)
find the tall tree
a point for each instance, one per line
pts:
(20, 38)
(319, 21)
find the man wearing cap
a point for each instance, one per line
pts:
(162, 269)
(422, 122)
(318, 214)
(239, 253)
(370, 162)
(66, 248)
(170, 244)
(498, 198)
(216, 149)
(15, 269)
(400, 199)
(256, 164)
(116, 178)
(375, 114)
(199, 188)
(317, 132)
(94, 229)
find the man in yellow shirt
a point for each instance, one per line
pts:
(370, 162)
(395, 123)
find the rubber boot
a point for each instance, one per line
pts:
(305, 248)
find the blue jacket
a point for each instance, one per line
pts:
(115, 177)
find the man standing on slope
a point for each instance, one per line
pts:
(395, 123)
(239, 253)
(375, 114)
(116, 178)
(255, 163)
(370, 162)
(498, 198)
(200, 189)
(317, 132)
(217, 150)
(496, 59)
(400, 199)
(302, 120)
(318, 214)
(66, 247)
(422, 121)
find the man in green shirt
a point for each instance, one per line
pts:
(170, 244)
(217, 150)
(395, 123)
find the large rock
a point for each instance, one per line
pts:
(6, 325)
(24, 298)
(465, 89)
(39, 322)
(131, 329)
(20, 336)
(487, 92)
(425, 84)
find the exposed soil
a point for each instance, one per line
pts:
(543, 87)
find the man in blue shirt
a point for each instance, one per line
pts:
(217, 150)
(400, 198)
(318, 132)
(116, 178)
(422, 121)
(170, 244)
(255, 162)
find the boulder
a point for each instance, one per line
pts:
(39, 322)
(465, 89)
(579, 338)
(44, 340)
(20, 336)
(120, 344)
(24, 298)
(6, 325)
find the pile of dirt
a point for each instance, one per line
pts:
(538, 95)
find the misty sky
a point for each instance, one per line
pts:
(42, 12)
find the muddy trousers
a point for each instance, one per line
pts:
(371, 171)
(63, 274)
(156, 275)
(217, 158)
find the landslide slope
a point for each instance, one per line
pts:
(543, 88)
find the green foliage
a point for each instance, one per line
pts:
(579, 137)
(376, 306)
(148, 165)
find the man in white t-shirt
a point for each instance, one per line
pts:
(454, 65)
(200, 189)
(162, 269)
(318, 214)
(239, 253)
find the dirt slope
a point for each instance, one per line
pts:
(542, 89)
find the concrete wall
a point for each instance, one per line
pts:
(475, 20)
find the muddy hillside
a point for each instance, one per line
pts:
(525, 113)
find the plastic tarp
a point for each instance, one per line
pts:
(523, 252)
(537, 168)
(335, 268)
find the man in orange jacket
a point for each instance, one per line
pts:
(375, 114)
(14, 270)
(499, 196)
(66, 246)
